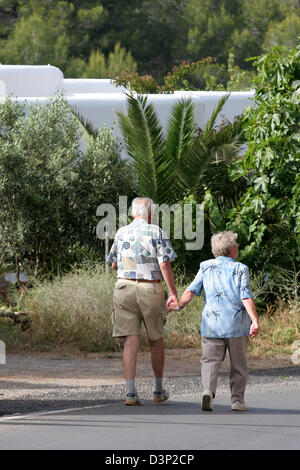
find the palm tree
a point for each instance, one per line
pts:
(224, 145)
(173, 164)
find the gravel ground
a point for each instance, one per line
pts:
(43, 384)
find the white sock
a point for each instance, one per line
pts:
(130, 384)
(158, 384)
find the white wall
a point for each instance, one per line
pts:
(28, 80)
(90, 85)
(97, 100)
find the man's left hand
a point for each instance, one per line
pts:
(172, 299)
(174, 307)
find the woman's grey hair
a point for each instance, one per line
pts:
(222, 242)
(142, 206)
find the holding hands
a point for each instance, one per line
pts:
(173, 306)
(172, 303)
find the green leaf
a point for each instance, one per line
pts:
(296, 84)
(261, 183)
(296, 96)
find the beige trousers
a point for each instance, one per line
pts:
(136, 303)
(213, 354)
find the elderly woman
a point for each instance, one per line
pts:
(228, 318)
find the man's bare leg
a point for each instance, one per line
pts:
(130, 352)
(157, 350)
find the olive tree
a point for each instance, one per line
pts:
(51, 186)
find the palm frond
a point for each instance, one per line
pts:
(210, 125)
(85, 126)
(144, 142)
(181, 130)
(180, 139)
(199, 155)
(181, 163)
(226, 138)
(222, 145)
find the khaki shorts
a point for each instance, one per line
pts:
(135, 303)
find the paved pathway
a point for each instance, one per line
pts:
(273, 423)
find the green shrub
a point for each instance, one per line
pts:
(267, 216)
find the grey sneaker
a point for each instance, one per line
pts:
(207, 400)
(132, 400)
(159, 397)
(239, 406)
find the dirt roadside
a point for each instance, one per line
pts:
(106, 368)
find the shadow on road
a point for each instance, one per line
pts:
(117, 408)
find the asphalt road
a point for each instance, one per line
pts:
(179, 425)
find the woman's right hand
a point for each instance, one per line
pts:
(254, 329)
(173, 306)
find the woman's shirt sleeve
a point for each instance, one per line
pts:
(245, 290)
(196, 285)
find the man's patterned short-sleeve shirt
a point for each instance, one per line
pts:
(225, 283)
(138, 249)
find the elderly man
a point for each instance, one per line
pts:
(142, 256)
(228, 318)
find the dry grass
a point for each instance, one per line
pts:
(279, 328)
(73, 313)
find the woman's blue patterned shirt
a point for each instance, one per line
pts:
(225, 283)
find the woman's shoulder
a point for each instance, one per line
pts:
(208, 262)
(241, 266)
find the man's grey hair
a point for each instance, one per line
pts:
(142, 206)
(222, 242)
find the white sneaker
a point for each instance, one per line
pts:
(159, 397)
(132, 400)
(207, 400)
(239, 406)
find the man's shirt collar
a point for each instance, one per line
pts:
(139, 219)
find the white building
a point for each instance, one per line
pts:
(97, 100)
